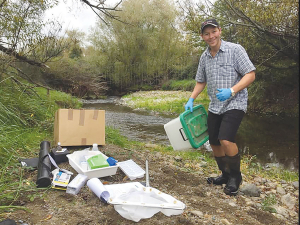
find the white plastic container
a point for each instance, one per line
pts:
(176, 135)
(76, 158)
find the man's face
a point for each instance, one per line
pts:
(212, 36)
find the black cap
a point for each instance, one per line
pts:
(212, 22)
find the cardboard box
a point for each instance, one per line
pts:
(79, 127)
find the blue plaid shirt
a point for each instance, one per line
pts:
(224, 70)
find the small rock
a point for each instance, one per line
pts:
(293, 213)
(250, 203)
(288, 200)
(225, 221)
(158, 155)
(279, 216)
(178, 158)
(272, 185)
(232, 204)
(250, 190)
(202, 164)
(282, 211)
(258, 180)
(296, 184)
(280, 190)
(257, 205)
(151, 145)
(197, 213)
(273, 191)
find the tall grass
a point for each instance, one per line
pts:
(26, 119)
(179, 85)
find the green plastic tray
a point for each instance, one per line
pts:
(97, 161)
(194, 125)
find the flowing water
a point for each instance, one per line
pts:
(272, 140)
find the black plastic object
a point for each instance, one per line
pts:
(8, 222)
(59, 155)
(32, 162)
(44, 166)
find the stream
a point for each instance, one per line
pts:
(273, 140)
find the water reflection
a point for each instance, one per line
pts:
(271, 139)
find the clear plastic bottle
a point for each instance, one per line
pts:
(95, 147)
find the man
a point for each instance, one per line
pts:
(227, 71)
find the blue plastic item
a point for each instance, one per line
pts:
(111, 161)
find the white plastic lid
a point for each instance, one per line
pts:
(95, 145)
(58, 143)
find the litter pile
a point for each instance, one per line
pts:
(132, 200)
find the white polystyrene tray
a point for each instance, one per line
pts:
(135, 194)
(76, 157)
(131, 169)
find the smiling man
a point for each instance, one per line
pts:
(227, 71)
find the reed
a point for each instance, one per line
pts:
(26, 119)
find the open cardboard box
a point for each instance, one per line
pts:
(75, 161)
(79, 127)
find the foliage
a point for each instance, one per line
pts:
(27, 117)
(175, 85)
(75, 76)
(268, 203)
(113, 136)
(142, 50)
(22, 30)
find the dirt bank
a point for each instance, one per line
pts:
(205, 204)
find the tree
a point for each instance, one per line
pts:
(143, 49)
(21, 29)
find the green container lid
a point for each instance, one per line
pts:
(195, 125)
(97, 161)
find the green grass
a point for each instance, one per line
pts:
(268, 203)
(26, 119)
(179, 85)
(167, 102)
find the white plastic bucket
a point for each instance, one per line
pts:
(176, 135)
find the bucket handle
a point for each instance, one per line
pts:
(183, 136)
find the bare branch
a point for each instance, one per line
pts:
(15, 54)
(105, 10)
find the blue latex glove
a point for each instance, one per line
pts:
(189, 104)
(224, 94)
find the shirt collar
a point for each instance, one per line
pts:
(222, 47)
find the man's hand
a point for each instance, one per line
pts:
(224, 94)
(189, 104)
